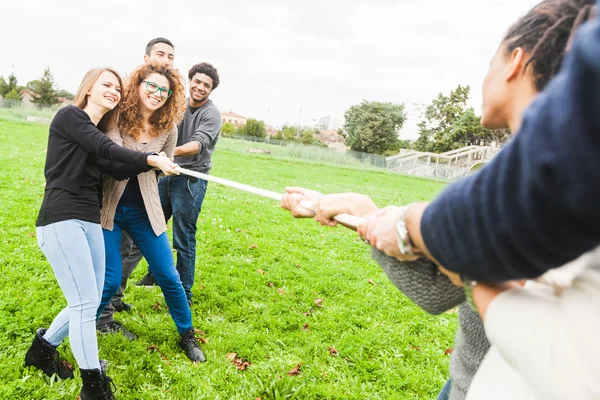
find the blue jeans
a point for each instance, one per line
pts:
(157, 252)
(75, 249)
(445, 393)
(182, 198)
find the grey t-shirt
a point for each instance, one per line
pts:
(202, 125)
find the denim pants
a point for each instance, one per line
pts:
(182, 199)
(445, 393)
(75, 250)
(131, 256)
(157, 252)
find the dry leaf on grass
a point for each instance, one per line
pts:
(333, 351)
(281, 291)
(295, 371)
(448, 351)
(371, 281)
(260, 271)
(253, 246)
(305, 327)
(231, 356)
(155, 348)
(319, 302)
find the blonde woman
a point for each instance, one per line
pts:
(68, 226)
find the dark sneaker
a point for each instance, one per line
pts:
(147, 280)
(115, 327)
(44, 356)
(122, 306)
(192, 350)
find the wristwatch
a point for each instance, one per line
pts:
(468, 285)
(405, 244)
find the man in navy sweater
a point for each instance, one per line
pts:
(536, 206)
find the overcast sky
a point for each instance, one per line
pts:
(281, 61)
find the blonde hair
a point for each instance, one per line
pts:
(109, 120)
(163, 119)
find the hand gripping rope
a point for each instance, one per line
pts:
(348, 221)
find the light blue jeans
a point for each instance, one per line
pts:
(75, 250)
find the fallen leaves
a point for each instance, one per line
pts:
(260, 271)
(415, 348)
(270, 284)
(305, 327)
(371, 281)
(239, 363)
(319, 302)
(253, 246)
(295, 371)
(333, 351)
(449, 351)
(155, 348)
(281, 291)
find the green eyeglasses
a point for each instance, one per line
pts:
(153, 88)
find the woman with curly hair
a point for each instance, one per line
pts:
(154, 104)
(68, 225)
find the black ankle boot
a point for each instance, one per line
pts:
(44, 356)
(96, 385)
(192, 350)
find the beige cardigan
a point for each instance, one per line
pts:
(113, 189)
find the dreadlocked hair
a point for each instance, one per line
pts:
(546, 32)
(163, 119)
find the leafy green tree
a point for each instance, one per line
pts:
(438, 119)
(43, 90)
(373, 127)
(65, 94)
(228, 129)
(13, 95)
(8, 86)
(255, 128)
(307, 137)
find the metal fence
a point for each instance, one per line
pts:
(415, 166)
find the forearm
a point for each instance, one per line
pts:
(188, 149)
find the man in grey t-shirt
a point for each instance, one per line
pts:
(182, 197)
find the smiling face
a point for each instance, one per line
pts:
(161, 53)
(105, 92)
(201, 86)
(153, 101)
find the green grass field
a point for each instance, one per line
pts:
(259, 272)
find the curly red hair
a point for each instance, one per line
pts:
(163, 119)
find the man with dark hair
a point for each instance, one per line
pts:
(157, 50)
(180, 196)
(160, 50)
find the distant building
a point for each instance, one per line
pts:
(271, 131)
(332, 139)
(233, 118)
(26, 96)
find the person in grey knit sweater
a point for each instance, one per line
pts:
(423, 283)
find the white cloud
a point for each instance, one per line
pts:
(275, 58)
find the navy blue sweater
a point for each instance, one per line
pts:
(536, 206)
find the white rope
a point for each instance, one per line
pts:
(347, 220)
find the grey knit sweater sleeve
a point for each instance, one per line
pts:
(422, 282)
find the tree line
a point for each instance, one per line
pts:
(447, 123)
(44, 90)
